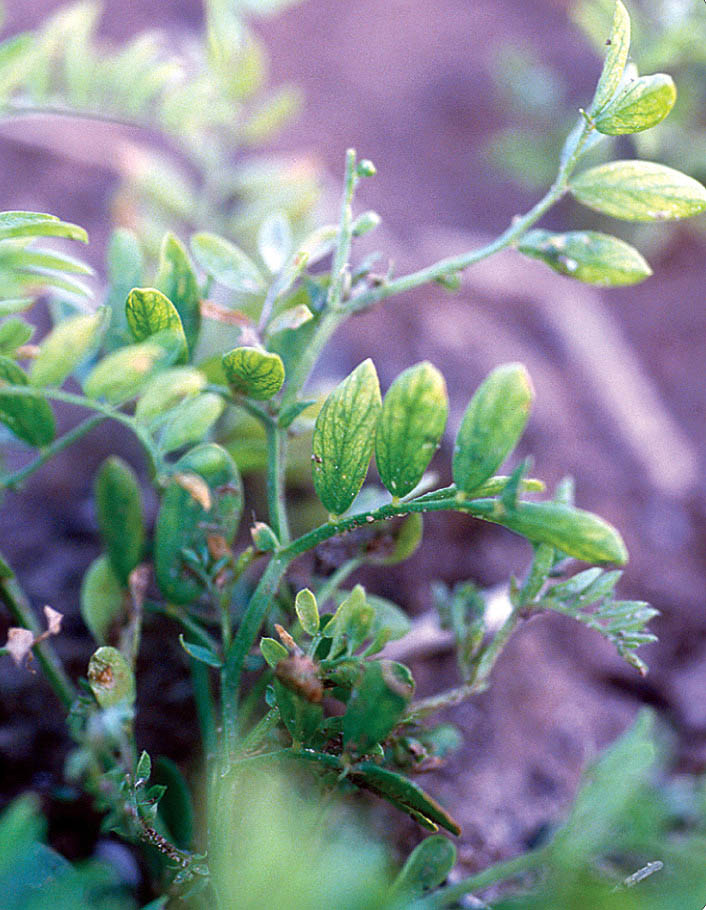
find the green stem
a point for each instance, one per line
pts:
(511, 868)
(329, 321)
(155, 458)
(244, 640)
(15, 480)
(16, 602)
(345, 235)
(200, 635)
(276, 462)
(514, 232)
(205, 711)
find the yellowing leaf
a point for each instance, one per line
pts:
(148, 312)
(69, 342)
(227, 263)
(643, 103)
(344, 437)
(618, 48)
(253, 372)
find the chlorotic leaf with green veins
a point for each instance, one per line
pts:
(344, 437)
(29, 417)
(254, 372)
(102, 598)
(120, 516)
(227, 263)
(111, 678)
(149, 312)
(617, 57)
(177, 280)
(410, 428)
(587, 256)
(68, 343)
(492, 425)
(639, 191)
(123, 373)
(642, 104)
(575, 532)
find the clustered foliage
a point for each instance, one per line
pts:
(214, 329)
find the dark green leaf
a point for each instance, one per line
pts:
(29, 417)
(492, 425)
(344, 436)
(120, 516)
(376, 704)
(639, 191)
(300, 716)
(412, 422)
(588, 256)
(427, 866)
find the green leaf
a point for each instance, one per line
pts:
(13, 334)
(111, 678)
(70, 342)
(144, 766)
(307, 611)
(201, 654)
(190, 420)
(617, 57)
(30, 418)
(642, 104)
(101, 598)
(149, 312)
(344, 436)
(120, 515)
(587, 256)
(176, 808)
(427, 866)
(346, 622)
(253, 372)
(38, 224)
(123, 373)
(184, 522)
(492, 425)
(177, 280)
(580, 534)
(300, 716)
(404, 794)
(227, 263)
(376, 705)
(410, 428)
(125, 272)
(273, 651)
(166, 390)
(639, 191)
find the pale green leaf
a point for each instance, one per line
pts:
(642, 104)
(123, 373)
(588, 256)
(190, 421)
(111, 678)
(177, 281)
(227, 263)
(618, 48)
(344, 437)
(70, 342)
(13, 334)
(274, 241)
(254, 372)
(38, 224)
(29, 417)
(639, 191)
(101, 598)
(307, 611)
(167, 390)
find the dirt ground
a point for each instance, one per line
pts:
(619, 376)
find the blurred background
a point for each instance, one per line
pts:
(463, 106)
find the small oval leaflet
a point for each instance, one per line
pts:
(190, 420)
(617, 57)
(642, 104)
(227, 263)
(29, 417)
(588, 256)
(119, 508)
(167, 390)
(273, 651)
(307, 611)
(148, 312)
(66, 346)
(344, 436)
(101, 598)
(376, 704)
(427, 866)
(254, 372)
(639, 191)
(111, 678)
(412, 422)
(121, 374)
(492, 425)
